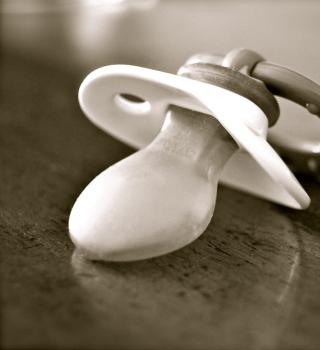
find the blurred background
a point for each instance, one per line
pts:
(78, 36)
(251, 282)
(160, 34)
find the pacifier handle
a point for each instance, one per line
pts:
(279, 80)
(289, 84)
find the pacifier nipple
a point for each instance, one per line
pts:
(160, 198)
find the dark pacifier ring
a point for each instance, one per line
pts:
(302, 154)
(280, 81)
(237, 82)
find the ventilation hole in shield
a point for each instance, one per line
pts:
(132, 104)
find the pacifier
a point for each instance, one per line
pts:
(208, 124)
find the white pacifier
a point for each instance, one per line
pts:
(205, 125)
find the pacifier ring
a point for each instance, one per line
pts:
(237, 82)
(280, 81)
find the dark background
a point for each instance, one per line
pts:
(252, 280)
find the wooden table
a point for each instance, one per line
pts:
(252, 281)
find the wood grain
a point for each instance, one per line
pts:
(252, 281)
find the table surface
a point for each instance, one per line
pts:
(251, 281)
